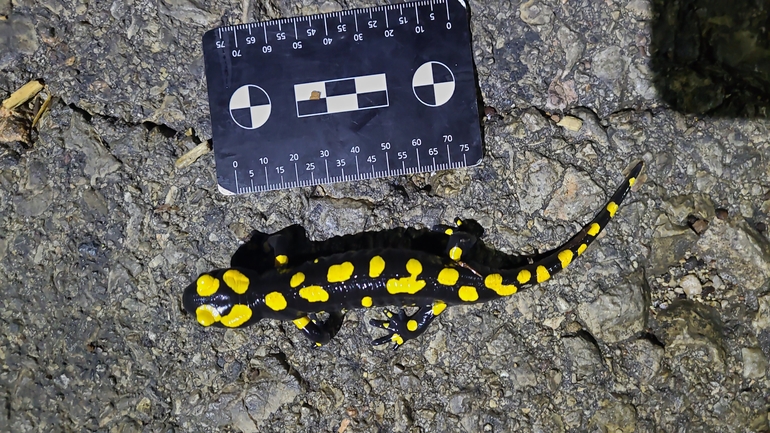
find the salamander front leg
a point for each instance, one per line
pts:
(402, 328)
(317, 331)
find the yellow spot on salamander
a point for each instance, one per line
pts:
(410, 284)
(207, 285)
(438, 307)
(376, 266)
(411, 325)
(468, 293)
(448, 276)
(612, 207)
(315, 261)
(414, 267)
(582, 248)
(238, 315)
(297, 279)
(397, 339)
(275, 301)
(631, 181)
(207, 315)
(565, 257)
(542, 274)
(281, 260)
(455, 253)
(449, 232)
(236, 281)
(340, 273)
(318, 344)
(524, 276)
(495, 282)
(314, 294)
(404, 285)
(366, 301)
(386, 325)
(593, 230)
(302, 322)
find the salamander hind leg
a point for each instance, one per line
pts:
(402, 328)
(319, 331)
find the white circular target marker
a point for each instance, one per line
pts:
(250, 106)
(433, 84)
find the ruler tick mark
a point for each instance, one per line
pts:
(416, 13)
(235, 37)
(326, 162)
(326, 28)
(267, 181)
(295, 30)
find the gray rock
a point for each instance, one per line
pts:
(754, 363)
(691, 285)
(739, 252)
(669, 244)
(584, 357)
(616, 315)
(17, 38)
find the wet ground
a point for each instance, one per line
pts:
(663, 325)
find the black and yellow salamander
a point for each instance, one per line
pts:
(285, 276)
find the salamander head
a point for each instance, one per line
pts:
(218, 298)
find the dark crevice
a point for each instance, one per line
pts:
(283, 360)
(649, 336)
(86, 115)
(585, 335)
(164, 130)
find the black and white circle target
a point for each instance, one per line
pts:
(250, 106)
(433, 84)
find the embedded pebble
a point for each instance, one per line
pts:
(717, 282)
(691, 285)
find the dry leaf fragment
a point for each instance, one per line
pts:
(571, 122)
(193, 155)
(23, 94)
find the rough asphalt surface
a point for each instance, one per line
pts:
(663, 325)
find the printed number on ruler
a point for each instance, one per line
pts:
(357, 94)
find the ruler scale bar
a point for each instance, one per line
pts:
(380, 92)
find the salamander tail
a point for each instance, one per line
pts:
(552, 262)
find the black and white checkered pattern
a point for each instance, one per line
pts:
(343, 95)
